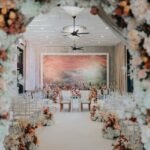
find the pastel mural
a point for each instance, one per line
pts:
(75, 69)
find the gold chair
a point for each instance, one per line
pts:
(85, 99)
(65, 100)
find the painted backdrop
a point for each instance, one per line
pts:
(78, 70)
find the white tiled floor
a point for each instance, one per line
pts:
(73, 131)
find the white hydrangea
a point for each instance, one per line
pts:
(139, 9)
(145, 134)
(134, 39)
(147, 45)
(30, 8)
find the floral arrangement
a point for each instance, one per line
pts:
(121, 143)
(15, 15)
(132, 19)
(76, 92)
(102, 116)
(47, 117)
(22, 134)
(96, 113)
(101, 112)
(131, 16)
(133, 119)
(93, 112)
(145, 136)
(26, 139)
(11, 20)
(4, 115)
(111, 128)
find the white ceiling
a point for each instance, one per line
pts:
(45, 30)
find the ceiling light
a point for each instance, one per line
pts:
(72, 10)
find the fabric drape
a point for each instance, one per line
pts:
(30, 71)
(120, 68)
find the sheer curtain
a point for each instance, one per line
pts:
(120, 68)
(30, 71)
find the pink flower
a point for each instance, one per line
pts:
(142, 74)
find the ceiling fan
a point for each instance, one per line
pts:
(74, 47)
(75, 32)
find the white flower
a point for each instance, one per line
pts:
(147, 45)
(4, 105)
(136, 61)
(2, 84)
(139, 8)
(146, 84)
(134, 39)
(147, 16)
(30, 8)
(145, 130)
(131, 24)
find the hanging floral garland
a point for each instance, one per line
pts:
(14, 17)
(133, 19)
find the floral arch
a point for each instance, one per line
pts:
(130, 19)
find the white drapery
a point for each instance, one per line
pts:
(30, 72)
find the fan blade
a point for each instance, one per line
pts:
(84, 33)
(75, 34)
(77, 31)
(63, 32)
(81, 48)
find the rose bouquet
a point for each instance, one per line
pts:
(75, 93)
(111, 128)
(93, 113)
(4, 115)
(24, 139)
(121, 143)
(11, 20)
(47, 118)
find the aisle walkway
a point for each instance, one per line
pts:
(73, 131)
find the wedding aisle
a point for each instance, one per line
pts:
(73, 131)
